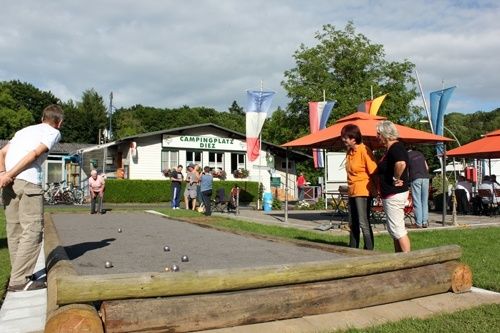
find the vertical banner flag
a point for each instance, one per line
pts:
(376, 103)
(364, 107)
(371, 107)
(438, 102)
(258, 103)
(318, 117)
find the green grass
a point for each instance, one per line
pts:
(480, 252)
(482, 319)
(480, 246)
(4, 257)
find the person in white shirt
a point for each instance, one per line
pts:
(496, 187)
(464, 184)
(21, 180)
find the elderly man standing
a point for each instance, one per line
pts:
(96, 189)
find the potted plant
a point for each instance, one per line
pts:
(218, 173)
(240, 173)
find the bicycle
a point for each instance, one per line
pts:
(57, 194)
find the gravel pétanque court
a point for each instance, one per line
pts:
(91, 240)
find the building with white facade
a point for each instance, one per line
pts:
(144, 156)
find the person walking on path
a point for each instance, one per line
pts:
(301, 182)
(176, 181)
(394, 183)
(419, 179)
(206, 182)
(360, 167)
(96, 189)
(21, 180)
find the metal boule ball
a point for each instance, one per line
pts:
(108, 264)
(175, 268)
(120, 230)
(184, 259)
(166, 248)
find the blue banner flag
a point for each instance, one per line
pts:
(259, 101)
(438, 102)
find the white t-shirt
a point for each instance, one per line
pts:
(26, 140)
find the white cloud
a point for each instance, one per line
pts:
(207, 53)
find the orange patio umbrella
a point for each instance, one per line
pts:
(484, 148)
(329, 137)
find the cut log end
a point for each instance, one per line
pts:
(74, 318)
(461, 280)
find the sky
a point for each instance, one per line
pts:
(208, 53)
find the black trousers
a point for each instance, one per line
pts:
(206, 196)
(359, 218)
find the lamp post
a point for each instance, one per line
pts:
(425, 121)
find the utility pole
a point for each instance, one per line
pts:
(110, 114)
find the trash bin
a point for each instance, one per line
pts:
(268, 201)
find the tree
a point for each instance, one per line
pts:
(347, 66)
(93, 116)
(276, 130)
(14, 116)
(31, 98)
(126, 124)
(73, 125)
(236, 109)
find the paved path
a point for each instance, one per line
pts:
(313, 220)
(24, 312)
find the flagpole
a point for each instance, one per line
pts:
(260, 154)
(323, 153)
(286, 186)
(425, 103)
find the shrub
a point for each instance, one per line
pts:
(148, 191)
(276, 204)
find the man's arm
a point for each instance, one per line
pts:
(7, 177)
(3, 153)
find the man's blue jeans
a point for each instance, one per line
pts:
(420, 196)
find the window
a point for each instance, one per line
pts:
(238, 161)
(193, 157)
(54, 171)
(169, 159)
(283, 165)
(216, 160)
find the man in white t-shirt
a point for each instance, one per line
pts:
(21, 180)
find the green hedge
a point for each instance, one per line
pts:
(147, 191)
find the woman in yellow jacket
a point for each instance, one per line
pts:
(360, 167)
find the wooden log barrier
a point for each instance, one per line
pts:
(78, 289)
(199, 312)
(462, 279)
(74, 318)
(70, 318)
